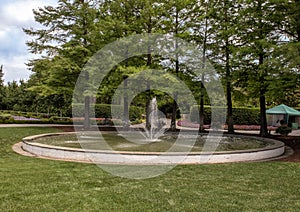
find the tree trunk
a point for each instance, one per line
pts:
(87, 112)
(201, 111)
(263, 116)
(228, 76)
(229, 113)
(174, 112)
(126, 107)
(87, 123)
(174, 107)
(148, 124)
(262, 101)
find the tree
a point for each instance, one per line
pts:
(2, 93)
(225, 41)
(175, 22)
(257, 32)
(69, 37)
(286, 88)
(202, 36)
(123, 18)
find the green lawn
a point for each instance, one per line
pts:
(30, 184)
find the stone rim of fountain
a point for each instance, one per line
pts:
(80, 155)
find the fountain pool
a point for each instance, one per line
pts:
(116, 149)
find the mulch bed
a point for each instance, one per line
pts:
(294, 143)
(291, 141)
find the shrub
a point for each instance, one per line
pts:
(194, 114)
(58, 119)
(104, 111)
(5, 117)
(241, 116)
(283, 130)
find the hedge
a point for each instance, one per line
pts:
(241, 116)
(104, 111)
(101, 111)
(28, 114)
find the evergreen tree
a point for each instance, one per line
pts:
(175, 22)
(258, 27)
(203, 36)
(69, 37)
(286, 88)
(225, 41)
(2, 89)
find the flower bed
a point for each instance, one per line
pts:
(19, 118)
(185, 123)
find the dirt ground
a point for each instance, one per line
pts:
(291, 141)
(294, 143)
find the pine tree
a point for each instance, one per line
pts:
(2, 93)
(69, 37)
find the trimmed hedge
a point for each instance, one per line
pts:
(28, 114)
(241, 116)
(104, 111)
(101, 111)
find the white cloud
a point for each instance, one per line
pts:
(15, 69)
(14, 16)
(19, 13)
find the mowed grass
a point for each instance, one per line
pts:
(31, 184)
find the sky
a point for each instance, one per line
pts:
(14, 16)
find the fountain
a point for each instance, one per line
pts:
(130, 153)
(152, 146)
(157, 122)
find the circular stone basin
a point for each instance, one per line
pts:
(115, 149)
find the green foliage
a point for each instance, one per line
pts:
(104, 111)
(6, 118)
(247, 116)
(2, 88)
(254, 46)
(283, 130)
(57, 119)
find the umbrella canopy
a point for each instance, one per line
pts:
(283, 109)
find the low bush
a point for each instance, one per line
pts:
(6, 119)
(28, 114)
(241, 116)
(104, 111)
(59, 119)
(283, 130)
(5, 116)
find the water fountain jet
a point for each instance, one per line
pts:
(157, 121)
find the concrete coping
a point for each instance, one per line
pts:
(28, 141)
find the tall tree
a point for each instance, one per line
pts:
(256, 56)
(225, 41)
(136, 16)
(288, 19)
(175, 22)
(202, 35)
(2, 94)
(69, 37)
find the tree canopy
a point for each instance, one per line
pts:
(253, 44)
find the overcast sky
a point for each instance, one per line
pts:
(15, 15)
